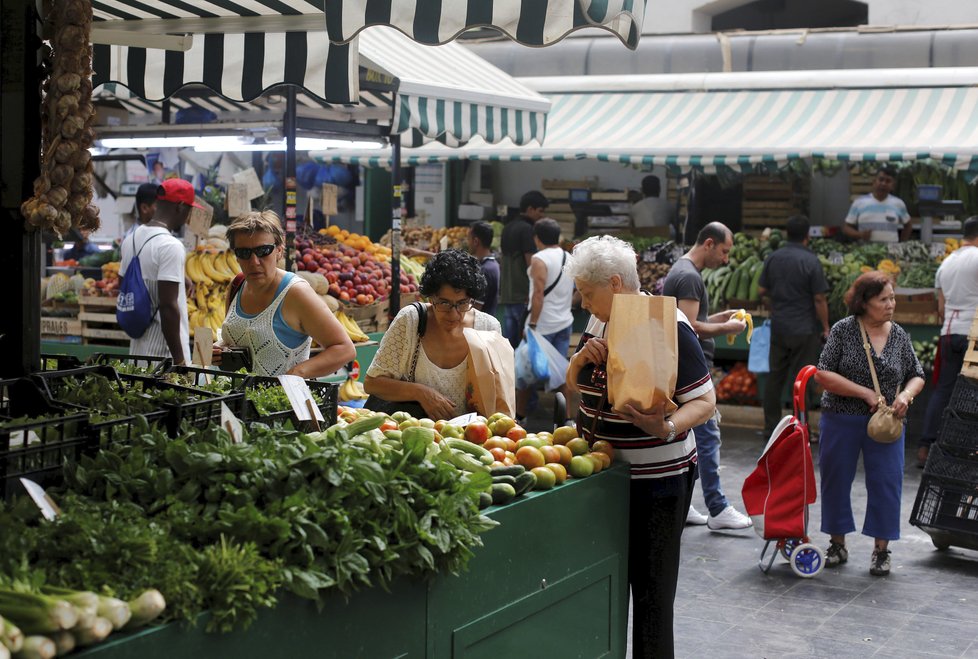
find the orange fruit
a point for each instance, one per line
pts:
(530, 457)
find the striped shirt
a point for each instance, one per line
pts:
(884, 218)
(650, 457)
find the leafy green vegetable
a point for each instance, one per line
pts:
(271, 399)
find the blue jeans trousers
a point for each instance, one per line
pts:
(843, 438)
(708, 463)
(514, 315)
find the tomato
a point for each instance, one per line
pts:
(530, 457)
(498, 453)
(559, 471)
(602, 446)
(389, 424)
(550, 453)
(565, 455)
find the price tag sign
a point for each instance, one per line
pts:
(464, 420)
(249, 177)
(330, 197)
(203, 346)
(443, 243)
(937, 249)
(232, 424)
(835, 258)
(199, 222)
(648, 256)
(49, 509)
(299, 396)
(238, 201)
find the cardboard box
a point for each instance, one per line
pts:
(107, 115)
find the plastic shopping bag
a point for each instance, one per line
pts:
(531, 363)
(758, 359)
(556, 362)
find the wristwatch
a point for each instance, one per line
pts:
(672, 431)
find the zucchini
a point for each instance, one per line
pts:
(525, 482)
(502, 493)
(476, 451)
(505, 479)
(513, 470)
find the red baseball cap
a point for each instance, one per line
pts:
(177, 191)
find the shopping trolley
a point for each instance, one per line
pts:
(782, 486)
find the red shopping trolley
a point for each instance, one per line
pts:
(778, 492)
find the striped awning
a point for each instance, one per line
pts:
(529, 22)
(238, 66)
(448, 94)
(740, 128)
(444, 93)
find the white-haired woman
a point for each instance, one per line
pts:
(661, 449)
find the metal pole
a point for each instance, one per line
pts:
(20, 253)
(395, 298)
(290, 185)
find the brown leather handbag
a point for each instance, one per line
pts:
(884, 426)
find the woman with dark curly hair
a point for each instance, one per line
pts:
(428, 365)
(847, 404)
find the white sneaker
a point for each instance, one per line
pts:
(695, 517)
(729, 518)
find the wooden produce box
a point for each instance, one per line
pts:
(98, 323)
(590, 183)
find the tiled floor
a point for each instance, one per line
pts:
(726, 607)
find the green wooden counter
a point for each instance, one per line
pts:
(551, 581)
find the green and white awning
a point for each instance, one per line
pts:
(440, 93)
(739, 128)
(529, 22)
(447, 93)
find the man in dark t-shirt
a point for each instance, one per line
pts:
(794, 282)
(480, 242)
(518, 248)
(685, 283)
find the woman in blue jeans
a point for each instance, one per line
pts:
(847, 404)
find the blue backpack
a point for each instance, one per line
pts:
(133, 308)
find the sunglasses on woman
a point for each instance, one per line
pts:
(244, 253)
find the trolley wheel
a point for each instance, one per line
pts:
(787, 546)
(807, 560)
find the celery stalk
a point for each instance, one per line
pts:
(64, 642)
(115, 610)
(96, 633)
(37, 647)
(37, 614)
(11, 637)
(149, 605)
(4, 652)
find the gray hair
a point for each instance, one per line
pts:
(599, 257)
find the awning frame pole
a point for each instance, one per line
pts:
(290, 183)
(395, 294)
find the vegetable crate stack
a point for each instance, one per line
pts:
(970, 366)
(947, 501)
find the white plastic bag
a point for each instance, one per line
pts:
(556, 362)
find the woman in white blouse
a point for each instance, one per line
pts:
(431, 369)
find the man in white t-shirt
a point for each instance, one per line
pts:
(957, 301)
(161, 259)
(879, 216)
(653, 210)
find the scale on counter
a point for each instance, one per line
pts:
(930, 205)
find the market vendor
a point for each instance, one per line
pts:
(429, 370)
(274, 313)
(660, 449)
(879, 216)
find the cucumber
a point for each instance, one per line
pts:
(733, 284)
(755, 284)
(525, 482)
(485, 500)
(476, 451)
(514, 470)
(502, 493)
(505, 479)
(743, 284)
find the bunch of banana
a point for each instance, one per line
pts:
(212, 267)
(743, 315)
(411, 267)
(888, 266)
(206, 307)
(352, 390)
(356, 334)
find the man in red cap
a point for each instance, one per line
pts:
(161, 259)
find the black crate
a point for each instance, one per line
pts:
(199, 413)
(134, 364)
(959, 436)
(942, 465)
(328, 391)
(947, 510)
(58, 362)
(964, 398)
(102, 432)
(39, 449)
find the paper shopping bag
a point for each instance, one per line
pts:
(490, 375)
(643, 352)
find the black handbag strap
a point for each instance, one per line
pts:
(422, 326)
(563, 260)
